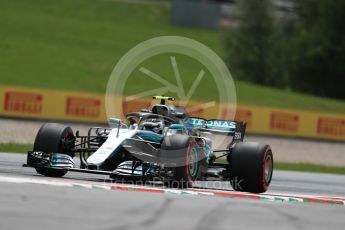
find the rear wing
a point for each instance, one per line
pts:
(236, 129)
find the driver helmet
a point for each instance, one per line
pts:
(154, 125)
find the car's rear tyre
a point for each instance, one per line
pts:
(183, 151)
(54, 138)
(251, 167)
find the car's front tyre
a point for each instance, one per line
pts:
(54, 138)
(188, 158)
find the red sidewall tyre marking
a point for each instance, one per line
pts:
(187, 160)
(264, 185)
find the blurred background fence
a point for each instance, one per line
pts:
(90, 107)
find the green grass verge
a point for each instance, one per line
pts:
(15, 148)
(75, 44)
(302, 167)
(23, 148)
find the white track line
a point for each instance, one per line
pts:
(204, 192)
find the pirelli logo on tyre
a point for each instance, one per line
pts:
(23, 102)
(284, 122)
(331, 126)
(83, 107)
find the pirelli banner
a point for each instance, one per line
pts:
(54, 105)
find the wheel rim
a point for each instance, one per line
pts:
(268, 168)
(193, 162)
(68, 136)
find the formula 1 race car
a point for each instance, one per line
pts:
(161, 143)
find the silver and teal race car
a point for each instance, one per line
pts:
(158, 144)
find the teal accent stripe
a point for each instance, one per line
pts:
(147, 137)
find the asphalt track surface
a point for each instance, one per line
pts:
(41, 206)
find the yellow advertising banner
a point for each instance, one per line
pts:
(22, 102)
(51, 104)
